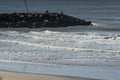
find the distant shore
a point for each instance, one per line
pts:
(4, 75)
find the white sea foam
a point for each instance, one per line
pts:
(60, 47)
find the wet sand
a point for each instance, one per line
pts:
(26, 76)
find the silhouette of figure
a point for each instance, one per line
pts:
(47, 12)
(61, 13)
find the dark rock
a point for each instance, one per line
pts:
(38, 20)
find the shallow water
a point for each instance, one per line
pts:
(96, 72)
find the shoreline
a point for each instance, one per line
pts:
(93, 72)
(8, 75)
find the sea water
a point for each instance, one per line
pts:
(83, 51)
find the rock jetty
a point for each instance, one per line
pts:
(38, 20)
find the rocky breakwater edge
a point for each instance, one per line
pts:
(38, 20)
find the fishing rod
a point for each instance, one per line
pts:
(25, 1)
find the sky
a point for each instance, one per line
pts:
(34, 5)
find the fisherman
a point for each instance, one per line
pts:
(47, 12)
(46, 17)
(61, 15)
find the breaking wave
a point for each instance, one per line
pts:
(106, 27)
(56, 47)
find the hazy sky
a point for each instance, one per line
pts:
(34, 5)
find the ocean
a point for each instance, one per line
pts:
(83, 51)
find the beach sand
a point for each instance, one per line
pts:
(4, 75)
